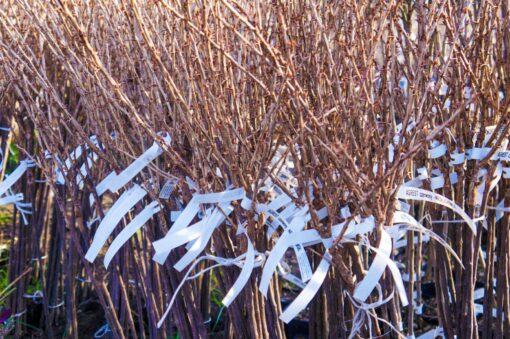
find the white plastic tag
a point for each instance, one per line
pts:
(457, 159)
(190, 212)
(310, 290)
(244, 276)
(438, 151)
(198, 246)
(167, 190)
(14, 176)
(424, 195)
(366, 286)
(503, 155)
(11, 199)
(278, 251)
(126, 201)
(113, 182)
(136, 166)
(477, 153)
(381, 261)
(131, 229)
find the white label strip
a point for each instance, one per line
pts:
(424, 195)
(278, 221)
(438, 151)
(14, 176)
(376, 270)
(310, 290)
(114, 182)
(503, 155)
(136, 166)
(191, 211)
(182, 222)
(198, 246)
(127, 200)
(457, 159)
(244, 276)
(477, 153)
(130, 230)
(397, 277)
(11, 199)
(283, 243)
(167, 189)
(219, 197)
(180, 237)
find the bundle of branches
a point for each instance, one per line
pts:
(327, 116)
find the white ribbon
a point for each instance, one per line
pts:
(164, 246)
(310, 290)
(130, 230)
(438, 151)
(363, 314)
(126, 201)
(219, 262)
(217, 218)
(14, 176)
(244, 276)
(381, 261)
(113, 182)
(11, 199)
(413, 193)
(75, 155)
(279, 250)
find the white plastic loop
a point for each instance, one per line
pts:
(438, 151)
(379, 264)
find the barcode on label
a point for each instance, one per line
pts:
(167, 190)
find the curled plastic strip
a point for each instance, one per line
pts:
(11, 199)
(239, 261)
(126, 201)
(113, 182)
(136, 166)
(199, 244)
(279, 250)
(477, 153)
(279, 220)
(457, 159)
(244, 276)
(165, 245)
(131, 229)
(14, 176)
(438, 151)
(424, 195)
(379, 264)
(310, 290)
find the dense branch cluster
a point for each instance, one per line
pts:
(347, 109)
